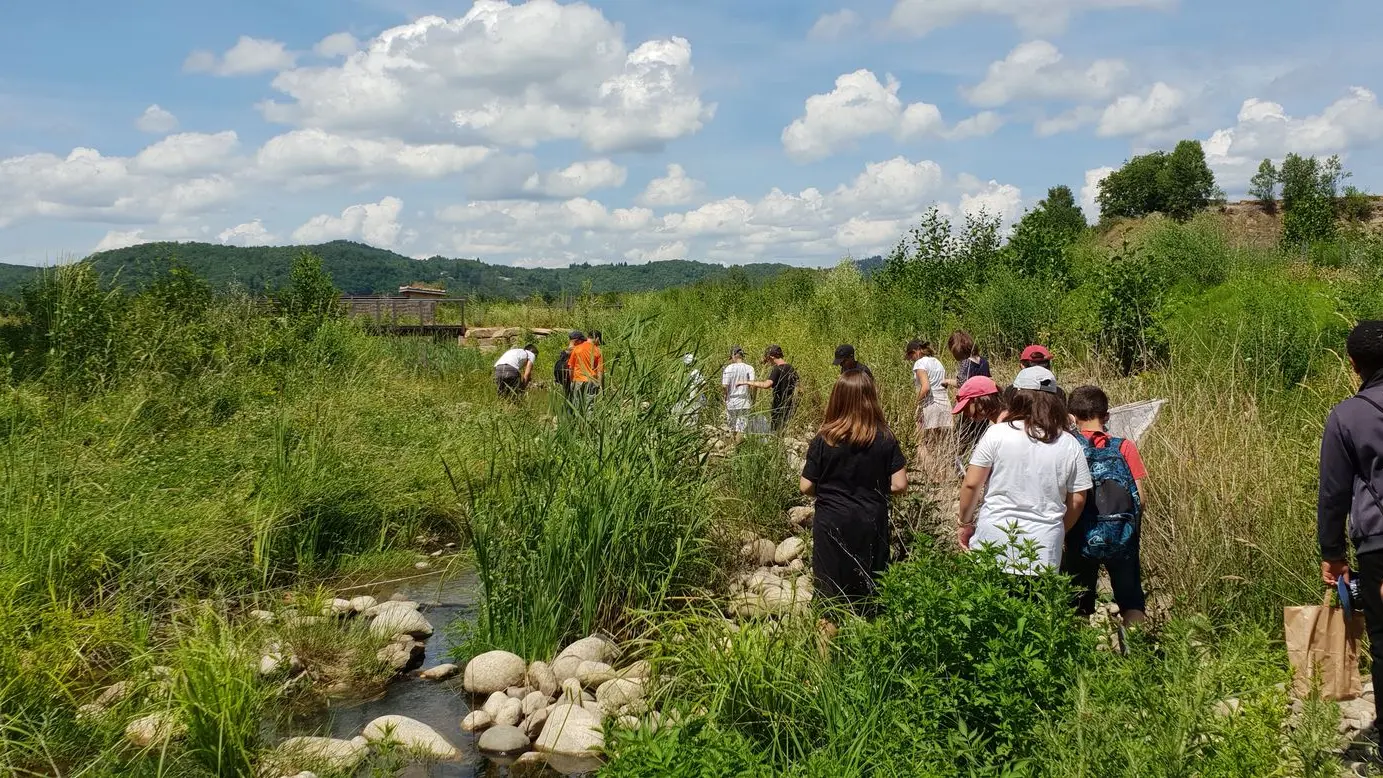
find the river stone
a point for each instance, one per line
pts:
(494, 703)
(533, 725)
(493, 671)
(340, 755)
(374, 610)
(592, 707)
(518, 692)
(564, 667)
(510, 713)
(797, 565)
(155, 727)
(338, 607)
(303, 621)
(541, 677)
(114, 694)
(393, 618)
(534, 701)
(758, 552)
(503, 740)
(363, 603)
(789, 550)
(422, 565)
(90, 712)
(412, 735)
(571, 690)
(264, 617)
(269, 663)
(593, 674)
(402, 655)
(590, 649)
(619, 692)
(639, 669)
(802, 516)
(439, 673)
(476, 720)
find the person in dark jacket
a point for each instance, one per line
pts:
(1352, 486)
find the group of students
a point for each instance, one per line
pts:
(578, 370)
(1027, 489)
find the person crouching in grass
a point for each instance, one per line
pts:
(514, 370)
(853, 464)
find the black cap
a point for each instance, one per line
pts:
(773, 352)
(736, 351)
(576, 335)
(844, 353)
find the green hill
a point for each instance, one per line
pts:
(360, 269)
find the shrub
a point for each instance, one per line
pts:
(1010, 311)
(692, 751)
(1196, 254)
(1129, 301)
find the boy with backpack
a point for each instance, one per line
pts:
(1109, 529)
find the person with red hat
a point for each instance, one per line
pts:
(979, 404)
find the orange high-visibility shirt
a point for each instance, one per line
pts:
(586, 363)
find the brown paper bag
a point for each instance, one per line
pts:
(1320, 641)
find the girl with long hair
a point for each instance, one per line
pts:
(853, 465)
(1032, 475)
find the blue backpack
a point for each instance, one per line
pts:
(1109, 526)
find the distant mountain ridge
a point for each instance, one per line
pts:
(360, 269)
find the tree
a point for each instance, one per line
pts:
(1135, 189)
(1059, 213)
(1185, 181)
(1263, 186)
(310, 293)
(1308, 198)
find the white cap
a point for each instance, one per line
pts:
(1036, 378)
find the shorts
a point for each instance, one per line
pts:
(508, 381)
(737, 419)
(934, 416)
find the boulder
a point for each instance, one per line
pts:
(571, 690)
(335, 754)
(476, 720)
(395, 618)
(439, 673)
(758, 552)
(510, 713)
(802, 516)
(533, 701)
(564, 668)
(363, 603)
(493, 671)
(533, 725)
(593, 674)
(402, 655)
(590, 649)
(639, 669)
(503, 740)
(494, 703)
(789, 550)
(541, 677)
(411, 735)
(153, 728)
(614, 695)
(518, 692)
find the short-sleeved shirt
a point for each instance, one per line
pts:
(853, 481)
(1128, 448)
(738, 398)
(515, 358)
(967, 369)
(1028, 484)
(935, 372)
(784, 379)
(586, 362)
(862, 367)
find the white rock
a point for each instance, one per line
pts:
(476, 720)
(439, 673)
(392, 618)
(401, 655)
(789, 550)
(412, 735)
(801, 516)
(541, 677)
(114, 694)
(758, 552)
(797, 565)
(338, 607)
(437, 553)
(564, 667)
(615, 694)
(90, 712)
(589, 649)
(422, 566)
(270, 663)
(533, 725)
(592, 707)
(593, 674)
(493, 671)
(363, 603)
(153, 728)
(571, 690)
(374, 610)
(639, 669)
(518, 692)
(494, 703)
(534, 701)
(502, 739)
(342, 755)
(264, 617)
(1227, 707)
(510, 713)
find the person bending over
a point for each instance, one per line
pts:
(514, 370)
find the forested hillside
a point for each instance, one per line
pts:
(359, 269)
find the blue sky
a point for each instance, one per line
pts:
(545, 133)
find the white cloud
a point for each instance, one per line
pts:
(1136, 114)
(247, 57)
(188, 152)
(247, 234)
(662, 252)
(341, 44)
(120, 239)
(578, 179)
(504, 74)
(834, 26)
(1042, 17)
(1071, 120)
(673, 189)
(858, 106)
(1035, 71)
(995, 199)
(156, 121)
(374, 223)
(1090, 192)
(317, 156)
(980, 125)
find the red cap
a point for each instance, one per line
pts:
(979, 386)
(1036, 354)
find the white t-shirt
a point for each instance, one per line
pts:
(739, 398)
(936, 373)
(1028, 484)
(515, 358)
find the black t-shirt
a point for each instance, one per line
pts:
(561, 373)
(853, 481)
(784, 378)
(862, 367)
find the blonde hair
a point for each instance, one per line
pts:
(854, 414)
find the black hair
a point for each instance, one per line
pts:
(1365, 347)
(917, 346)
(531, 347)
(595, 335)
(1088, 403)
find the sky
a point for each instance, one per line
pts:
(547, 133)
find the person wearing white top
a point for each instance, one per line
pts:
(514, 369)
(739, 395)
(689, 408)
(1032, 475)
(934, 422)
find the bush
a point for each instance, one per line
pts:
(692, 751)
(1195, 254)
(1129, 300)
(1009, 311)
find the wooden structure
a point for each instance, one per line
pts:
(412, 312)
